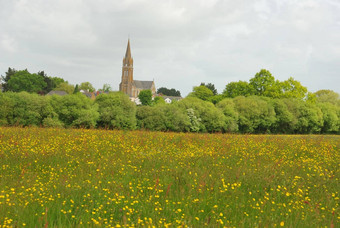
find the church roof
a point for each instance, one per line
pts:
(143, 84)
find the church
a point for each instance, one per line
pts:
(128, 85)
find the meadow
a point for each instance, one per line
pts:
(78, 177)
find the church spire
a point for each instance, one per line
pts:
(128, 51)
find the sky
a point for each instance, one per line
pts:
(178, 43)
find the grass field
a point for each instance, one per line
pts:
(74, 178)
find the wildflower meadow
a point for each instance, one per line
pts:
(79, 177)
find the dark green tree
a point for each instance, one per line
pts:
(145, 97)
(6, 78)
(76, 89)
(211, 87)
(169, 92)
(25, 81)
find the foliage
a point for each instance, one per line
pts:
(211, 87)
(211, 118)
(116, 111)
(75, 110)
(106, 88)
(6, 78)
(150, 118)
(240, 88)
(176, 119)
(169, 92)
(255, 115)
(194, 121)
(86, 86)
(201, 92)
(331, 120)
(91, 178)
(216, 98)
(308, 117)
(231, 116)
(263, 83)
(25, 81)
(329, 96)
(158, 101)
(145, 97)
(64, 86)
(292, 89)
(76, 89)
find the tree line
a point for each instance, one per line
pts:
(252, 114)
(22, 80)
(262, 105)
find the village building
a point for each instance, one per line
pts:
(128, 85)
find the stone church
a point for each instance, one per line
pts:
(128, 85)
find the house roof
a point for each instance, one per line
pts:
(143, 84)
(57, 92)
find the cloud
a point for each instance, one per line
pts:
(178, 43)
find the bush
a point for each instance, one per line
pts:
(150, 118)
(256, 115)
(75, 110)
(116, 111)
(212, 119)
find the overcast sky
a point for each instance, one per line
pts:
(177, 43)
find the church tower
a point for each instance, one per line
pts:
(127, 73)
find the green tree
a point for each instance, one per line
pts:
(6, 107)
(116, 111)
(169, 92)
(307, 117)
(263, 83)
(227, 106)
(212, 118)
(292, 89)
(331, 121)
(158, 101)
(285, 121)
(86, 86)
(106, 88)
(64, 86)
(255, 114)
(57, 81)
(176, 119)
(150, 118)
(329, 96)
(240, 88)
(75, 110)
(25, 81)
(76, 89)
(211, 87)
(6, 78)
(201, 92)
(145, 97)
